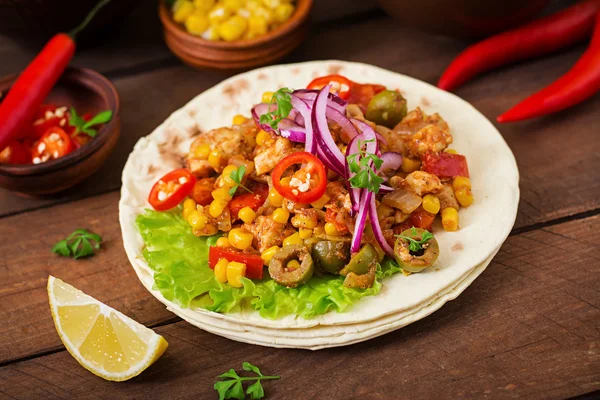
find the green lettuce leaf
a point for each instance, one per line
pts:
(181, 273)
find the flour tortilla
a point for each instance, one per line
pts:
(484, 226)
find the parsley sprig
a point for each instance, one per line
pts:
(283, 99)
(414, 246)
(78, 244)
(360, 164)
(237, 177)
(230, 385)
(83, 126)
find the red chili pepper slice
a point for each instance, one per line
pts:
(171, 189)
(254, 264)
(445, 165)
(15, 153)
(362, 94)
(254, 200)
(579, 83)
(53, 144)
(542, 36)
(340, 85)
(317, 182)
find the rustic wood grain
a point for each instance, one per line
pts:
(528, 327)
(558, 156)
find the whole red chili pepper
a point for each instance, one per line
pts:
(581, 82)
(36, 81)
(537, 38)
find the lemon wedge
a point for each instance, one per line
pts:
(104, 341)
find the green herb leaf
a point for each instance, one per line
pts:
(231, 385)
(283, 99)
(237, 177)
(101, 118)
(256, 391)
(83, 126)
(78, 244)
(415, 246)
(360, 164)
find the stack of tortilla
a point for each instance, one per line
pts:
(403, 299)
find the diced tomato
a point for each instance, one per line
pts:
(15, 153)
(53, 144)
(171, 189)
(254, 264)
(422, 219)
(332, 216)
(445, 165)
(312, 165)
(340, 85)
(362, 94)
(202, 192)
(254, 200)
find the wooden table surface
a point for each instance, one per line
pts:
(528, 327)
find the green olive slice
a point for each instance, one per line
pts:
(386, 108)
(284, 276)
(416, 261)
(331, 256)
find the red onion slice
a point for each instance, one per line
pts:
(377, 232)
(322, 135)
(310, 144)
(311, 94)
(361, 219)
(391, 161)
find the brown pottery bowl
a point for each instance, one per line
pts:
(88, 92)
(463, 18)
(240, 54)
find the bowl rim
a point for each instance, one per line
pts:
(303, 8)
(83, 77)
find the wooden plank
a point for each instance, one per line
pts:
(139, 39)
(526, 328)
(557, 156)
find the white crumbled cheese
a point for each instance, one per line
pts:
(295, 182)
(41, 147)
(182, 180)
(162, 196)
(54, 137)
(60, 112)
(36, 160)
(302, 186)
(49, 115)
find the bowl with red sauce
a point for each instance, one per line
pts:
(70, 137)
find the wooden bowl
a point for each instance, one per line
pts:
(241, 54)
(87, 91)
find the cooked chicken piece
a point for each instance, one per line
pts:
(447, 198)
(400, 217)
(268, 157)
(339, 195)
(292, 206)
(422, 183)
(267, 233)
(424, 132)
(393, 141)
(307, 218)
(227, 141)
(354, 111)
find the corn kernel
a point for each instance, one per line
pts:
(214, 159)
(293, 265)
(235, 272)
(331, 230)
(183, 11)
(450, 151)
(226, 175)
(280, 215)
(211, 33)
(305, 233)
(304, 221)
(197, 220)
(233, 5)
(239, 119)
(196, 24)
(464, 196)
(268, 254)
(262, 138)
(208, 230)
(267, 96)
(409, 165)
(221, 270)
(221, 194)
(275, 199)
(189, 204)
(460, 182)
(269, 16)
(294, 238)
(285, 181)
(218, 14)
(450, 219)
(431, 204)
(233, 28)
(257, 26)
(223, 242)
(216, 208)
(202, 152)
(240, 239)
(319, 204)
(271, 3)
(247, 215)
(283, 12)
(204, 5)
